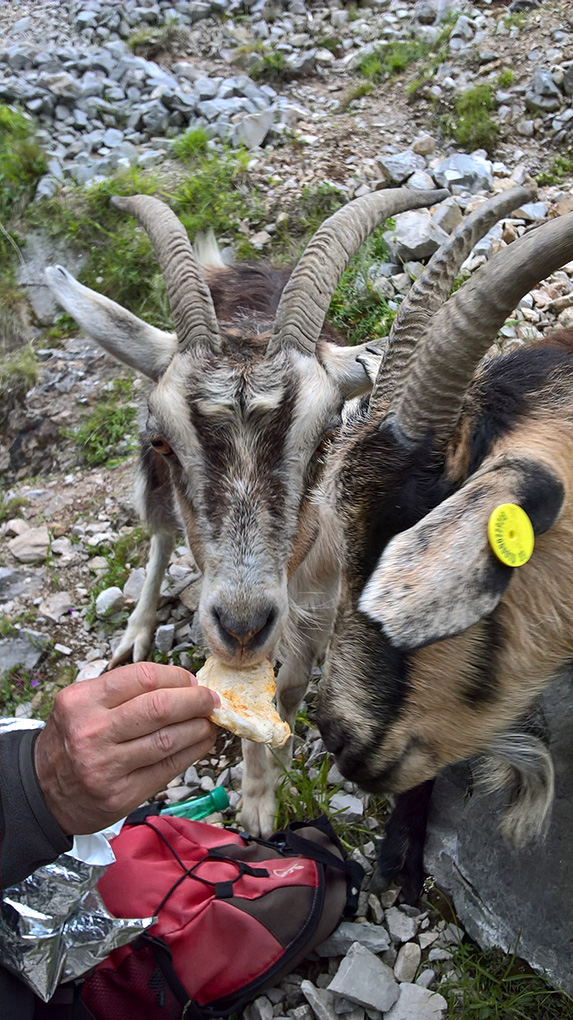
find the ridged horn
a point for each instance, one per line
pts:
(189, 297)
(432, 289)
(464, 328)
(306, 297)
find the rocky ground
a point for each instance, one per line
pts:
(66, 527)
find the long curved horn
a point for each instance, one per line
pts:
(462, 331)
(432, 289)
(189, 297)
(306, 297)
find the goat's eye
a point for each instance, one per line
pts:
(161, 445)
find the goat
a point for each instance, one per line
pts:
(246, 391)
(438, 648)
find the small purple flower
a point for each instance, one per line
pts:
(34, 683)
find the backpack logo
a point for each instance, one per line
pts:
(283, 872)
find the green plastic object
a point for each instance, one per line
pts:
(200, 807)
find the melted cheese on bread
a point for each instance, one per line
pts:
(246, 701)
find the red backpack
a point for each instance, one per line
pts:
(234, 915)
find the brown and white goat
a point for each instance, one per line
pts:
(438, 649)
(245, 392)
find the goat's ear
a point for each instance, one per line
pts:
(127, 338)
(441, 576)
(355, 368)
(370, 356)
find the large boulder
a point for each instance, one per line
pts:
(503, 896)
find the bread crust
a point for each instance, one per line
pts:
(246, 701)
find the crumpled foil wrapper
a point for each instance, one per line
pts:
(54, 925)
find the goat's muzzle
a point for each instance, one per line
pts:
(244, 636)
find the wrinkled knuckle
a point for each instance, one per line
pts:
(165, 741)
(157, 705)
(64, 707)
(147, 675)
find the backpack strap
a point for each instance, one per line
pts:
(316, 851)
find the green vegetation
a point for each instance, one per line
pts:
(18, 371)
(263, 63)
(316, 203)
(212, 194)
(350, 95)
(107, 434)
(215, 195)
(64, 324)
(9, 507)
(22, 161)
(121, 262)
(192, 144)
(128, 552)
(561, 168)
(492, 986)
(393, 58)
(333, 43)
(356, 308)
(17, 686)
(516, 19)
(470, 124)
(304, 792)
(505, 78)
(150, 41)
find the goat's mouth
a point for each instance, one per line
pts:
(241, 642)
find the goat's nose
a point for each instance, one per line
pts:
(245, 632)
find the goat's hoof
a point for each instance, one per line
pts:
(405, 869)
(257, 817)
(131, 648)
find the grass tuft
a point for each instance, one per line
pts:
(391, 59)
(192, 144)
(128, 552)
(355, 92)
(356, 308)
(488, 985)
(470, 124)
(151, 41)
(264, 63)
(505, 78)
(304, 792)
(108, 433)
(22, 161)
(18, 372)
(560, 169)
(9, 507)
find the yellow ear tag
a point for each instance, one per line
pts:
(510, 534)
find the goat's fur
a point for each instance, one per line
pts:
(243, 437)
(438, 649)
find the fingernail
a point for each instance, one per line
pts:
(192, 679)
(216, 699)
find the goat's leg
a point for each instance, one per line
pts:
(139, 632)
(401, 852)
(263, 768)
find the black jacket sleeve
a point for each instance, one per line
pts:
(30, 835)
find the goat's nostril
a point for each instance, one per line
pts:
(248, 632)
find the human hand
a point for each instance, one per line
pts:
(112, 742)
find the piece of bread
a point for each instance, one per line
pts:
(246, 701)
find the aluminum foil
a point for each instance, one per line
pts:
(54, 926)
